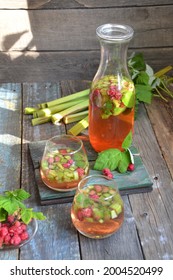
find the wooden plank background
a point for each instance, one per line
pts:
(50, 40)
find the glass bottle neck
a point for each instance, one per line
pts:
(113, 59)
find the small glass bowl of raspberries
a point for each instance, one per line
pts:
(15, 233)
(18, 224)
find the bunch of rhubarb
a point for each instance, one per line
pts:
(66, 109)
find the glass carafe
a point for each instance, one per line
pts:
(112, 97)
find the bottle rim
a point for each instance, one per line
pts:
(115, 32)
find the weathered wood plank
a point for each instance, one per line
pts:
(10, 144)
(56, 66)
(153, 211)
(161, 113)
(68, 4)
(68, 29)
(55, 238)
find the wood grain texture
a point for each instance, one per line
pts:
(161, 112)
(72, 65)
(69, 29)
(153, 211)
(68, 4)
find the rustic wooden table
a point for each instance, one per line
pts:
(148, 226)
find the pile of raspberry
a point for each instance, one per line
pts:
(12, 232)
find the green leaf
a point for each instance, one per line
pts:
(124, 162)
(21, 194)
(156, 83)
(3, 214)
(127, 141)
(137, 62)
(143, 78)
(144, 93)
(10, 204)
(129, 99)
(26, 215)
(108, 159)
(38, 215)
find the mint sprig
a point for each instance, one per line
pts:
(114, 158)
(147, 83)
(11, 204)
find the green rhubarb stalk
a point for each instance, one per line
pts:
(57, 108)
(65, 99)
(76, 108)
(75, 117)
(79, 127)
(29, 110)
(40, 120)
(163, 71)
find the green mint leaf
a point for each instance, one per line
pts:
(144, 93)
(137, 62)
(129, 99)
(124, 162)
(3, 215)
(108, 159)
(149, 70)
(127, 141)
(155, 83)
(26, 215)
(38, 215)
(142, 78)
(9, 204)
(20, 194)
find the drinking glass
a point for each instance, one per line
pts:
(97, 210)
(64, 163)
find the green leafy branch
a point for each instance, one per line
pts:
(147, 83)
(114, 158)
(11, 204)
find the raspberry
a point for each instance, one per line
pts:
(15, 240)
(24, 235)
(80, 215)
(24, 227)
(17, 224)
(95, 197)
(107, 172)
(66, 165)
(7, 239)
(50, 160)
(70, 161)
(3, 231)
(10, 219)
(80, 171)
(13, 229)
(98, 188)
(87, 212)
(19, 230)
(131, 167)
(57, 158)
